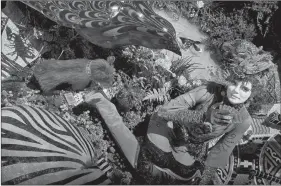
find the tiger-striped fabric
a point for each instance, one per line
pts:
(39, 147)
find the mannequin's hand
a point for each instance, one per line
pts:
(220, 117)
(210, 177)
(93, 97)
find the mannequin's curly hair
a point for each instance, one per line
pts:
(239, 51)
(243, 61)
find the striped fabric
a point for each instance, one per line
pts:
(39, 147)
(260, 130)
(103, 165)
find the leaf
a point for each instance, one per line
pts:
(183, 65)
(159, 95)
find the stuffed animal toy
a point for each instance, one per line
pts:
(78, 73)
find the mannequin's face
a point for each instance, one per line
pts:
(239, 92)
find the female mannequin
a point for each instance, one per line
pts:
(175, 147)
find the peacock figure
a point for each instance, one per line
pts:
(112, 24)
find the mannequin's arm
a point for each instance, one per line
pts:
(180, 109)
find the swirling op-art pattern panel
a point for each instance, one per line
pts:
(112, 18)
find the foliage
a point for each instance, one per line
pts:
(149, 82)
(132, 119)
(160, 95)
(263, 6)
(155, 75)
(190, 84)
(128, 99)
(226, 21)
(221, 21)
(262, 13)
(223, 27)
(143, 63)
(250, 20)
(266, 15)
(145, 82)
(183, 66)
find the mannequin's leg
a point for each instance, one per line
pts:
(122, 135)
(129, 145)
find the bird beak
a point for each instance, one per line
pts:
(176, 49)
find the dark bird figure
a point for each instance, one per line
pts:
(111, 24)
(187, 43)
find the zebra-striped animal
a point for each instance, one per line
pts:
(39, 147)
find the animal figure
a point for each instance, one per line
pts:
(40, 148)
(20, 45)
(79, 73)
(112, 24)
(187, 43)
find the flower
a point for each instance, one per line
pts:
(188, 85)
(66, 116)
(164, 62)
(64, 107)
(197, 82)
(182, 80)
(168, 84)
(199, 4)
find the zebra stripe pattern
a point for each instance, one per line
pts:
(39, 147)
(103, 165)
